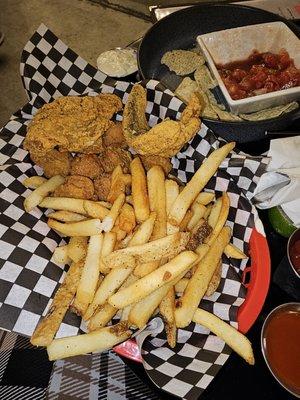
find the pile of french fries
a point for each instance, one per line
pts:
(137, 256)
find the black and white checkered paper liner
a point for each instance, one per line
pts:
(28, 277)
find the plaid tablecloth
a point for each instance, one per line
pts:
(26, 373)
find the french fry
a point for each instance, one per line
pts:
(90, 227)
(171, 229)
(168, 246)
(145, 268)
(108, 245)
(120, 234)
(197, 183)
(167, 308)
(198, 212)
(105, 204)
(117, 185)
(157, 200)
(60, 255)
(102, 316)
(127, 179)
(33, 182)
(110, 284)
(198, 225)
(126, 310)
(181, 285)
(204, 198)
(125, 241)
(139, 190)
(144, 231)
(125, 313)
(215, 280)
(198, 234)
(129, 200)
(94, 209)
(201, 250)
(66, 216)
(89, 278)
(232, 251)
(42, 191)
(127, 218)
(99, 340)
(236, 340)
(184, 223)
(198, 283)
(214, 213)
(105, 312)
(172, 191)
(113, 213)
(47, 328)
(141, 312)
(141, 236)
(77, 248)
(221, 219)
(207, 212)
(161, 276)
(64, 204)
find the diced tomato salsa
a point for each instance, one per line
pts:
(260, 73)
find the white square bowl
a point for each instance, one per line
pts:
(235, 44)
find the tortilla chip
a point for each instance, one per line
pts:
(209, 113)
(204, 79)
(182, 62)
(225, 115)
(197, 50)
(269, 113)
(186, 88)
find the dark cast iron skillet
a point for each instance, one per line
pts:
(179, 31)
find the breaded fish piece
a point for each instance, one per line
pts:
(164, 139)
(72, 123)
(134, 119)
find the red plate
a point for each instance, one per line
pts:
(256, 278)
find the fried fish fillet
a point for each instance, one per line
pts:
(164, 139)
(71, 124)
(134, 119)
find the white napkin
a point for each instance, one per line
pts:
(280, 184)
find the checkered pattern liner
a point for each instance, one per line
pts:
(28, 277)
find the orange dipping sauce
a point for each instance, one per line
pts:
(282, 337)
